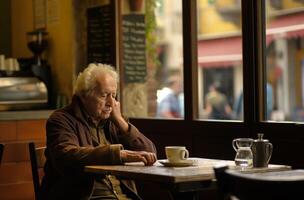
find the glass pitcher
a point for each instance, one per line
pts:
(244, 156)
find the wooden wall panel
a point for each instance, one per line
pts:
(8, 131)
(17, 191)
(31, 129)
(15, 152)
(15, 172)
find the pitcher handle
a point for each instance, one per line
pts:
(234, 145)
(270, 148)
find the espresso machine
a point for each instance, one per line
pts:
(37, 43)
(30, 87)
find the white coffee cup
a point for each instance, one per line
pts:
(176, 153)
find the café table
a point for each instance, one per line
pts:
(181, 182)
(279, 185)
(286, 175)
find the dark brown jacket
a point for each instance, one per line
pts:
(70, 148)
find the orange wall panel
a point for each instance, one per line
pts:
(15, 152)
(8, 131)
(21, 23)
(15, 172)
(18, 191)
(31, 130)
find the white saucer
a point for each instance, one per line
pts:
(183, 163)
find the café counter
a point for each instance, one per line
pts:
(25, 115)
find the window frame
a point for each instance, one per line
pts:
(213, 138)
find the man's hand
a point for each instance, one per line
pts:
(116, 113)
(117, 117)
(136, 156)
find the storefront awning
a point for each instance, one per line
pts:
(223, 52)
(226, 52)
(287, 26)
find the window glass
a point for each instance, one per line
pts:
(152, 58)
(284, 60)
(220, 70)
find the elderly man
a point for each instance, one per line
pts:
(91, 131)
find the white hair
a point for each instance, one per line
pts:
(86, 80)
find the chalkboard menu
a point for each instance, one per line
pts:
(134, 48)
(100, 40)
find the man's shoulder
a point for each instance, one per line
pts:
(60, 114)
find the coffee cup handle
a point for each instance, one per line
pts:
(186, 155)
(270, 148)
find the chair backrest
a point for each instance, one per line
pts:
(1, 152)
(268, 185)
(38, 159)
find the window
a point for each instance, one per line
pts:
(220, 70)
(248, 71)
(285, 61)
(152, 59)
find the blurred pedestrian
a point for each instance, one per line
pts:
(217, 106)
(169, 106)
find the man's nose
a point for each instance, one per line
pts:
(109, 100)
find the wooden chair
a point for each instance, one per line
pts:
(37, 159)
(1, 152)
(281, 185)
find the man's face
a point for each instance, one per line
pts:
(99, 102)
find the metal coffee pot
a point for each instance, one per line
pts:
(262, 151)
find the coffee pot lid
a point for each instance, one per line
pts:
(260, 138)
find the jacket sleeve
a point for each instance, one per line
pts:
(133, 139)
(66, 147)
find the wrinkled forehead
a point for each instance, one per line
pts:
(106, 82)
